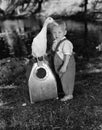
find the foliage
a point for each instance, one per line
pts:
(22, 7)
(28, 7)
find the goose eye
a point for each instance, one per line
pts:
(50, 19)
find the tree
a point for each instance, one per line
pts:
(21, 7)
(97, 9)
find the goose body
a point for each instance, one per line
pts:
(39, 44)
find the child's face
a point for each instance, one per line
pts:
(58, 32)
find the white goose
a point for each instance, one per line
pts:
(42, 83)
(39, 44)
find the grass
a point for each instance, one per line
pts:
(84, 112)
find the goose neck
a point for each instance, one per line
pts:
(45, 24)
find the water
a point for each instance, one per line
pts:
(20, 25)
(75, 31)
(34, 23)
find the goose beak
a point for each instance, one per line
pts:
(55, 23)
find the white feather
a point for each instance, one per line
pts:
(39, 44)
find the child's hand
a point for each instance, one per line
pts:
(63, 69)
(65, 64)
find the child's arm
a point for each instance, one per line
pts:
(67, 51)
(65, 64)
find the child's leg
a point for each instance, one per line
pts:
(57, 63)
(59, 87)
(68, 78)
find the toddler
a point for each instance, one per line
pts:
(64, 62)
